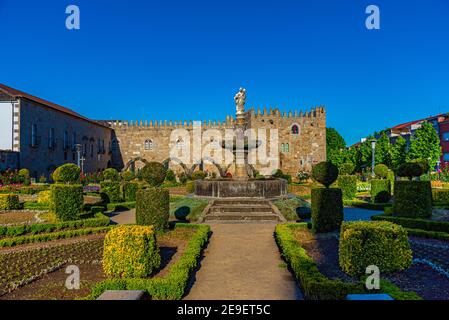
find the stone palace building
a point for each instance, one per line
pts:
(40, 135)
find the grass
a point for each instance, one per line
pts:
(293, 209)
(187, 208)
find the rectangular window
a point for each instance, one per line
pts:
(445, 136)
(34, 135)
(66, 140)
(446, 157)
(74, 139)
(51, 138)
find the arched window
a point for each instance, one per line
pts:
(295, 129)
(149, 144)
(287, 148)
(179, 143)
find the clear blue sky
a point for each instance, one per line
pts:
(186, 59)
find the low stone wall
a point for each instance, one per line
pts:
(268, 189)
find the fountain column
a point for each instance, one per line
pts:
(241, 155)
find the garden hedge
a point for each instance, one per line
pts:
(380, 243)
(131, 252)
(122, 206)
(327, 209)
(153, 208)
(67, 173)
(110, 191)
(67, 201)
(413, 199)
(325, 173)
(9, 202)
(314, 284)
(153, 173)
(190, 187)
(440, 195)
(415, 223)
(380, 190)
(348, 186)
(129, 191)
(172, 285)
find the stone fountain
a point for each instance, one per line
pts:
(241, 185)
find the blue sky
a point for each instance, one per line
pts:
(185, 60)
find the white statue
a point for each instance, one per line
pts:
(240, 99)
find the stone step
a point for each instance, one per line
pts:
(253, 216)
(240, 202)
(241, 208)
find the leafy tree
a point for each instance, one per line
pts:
(335, 144)
(383, 149)
(398, 152)
(425, 144)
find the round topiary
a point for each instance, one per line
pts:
(153, 173)
(410, 170)
(128, 175)
(347, 168)
(170, 176)
(198, 175)
(24, 173)
(68, 173)
(425, 167)
(325, 173)
(381, 171)
(111, 174)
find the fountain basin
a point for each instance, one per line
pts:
(251, 188)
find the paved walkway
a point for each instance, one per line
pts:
(124, 217)
(242, 262)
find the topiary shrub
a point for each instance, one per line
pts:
(67, 201)
(153, 208)
(131, 252)
(190, 186)
(412, 199)
(381, 171)
(170, 176)
(9, 202)
(68, 173)
(410, 170)
(130, 191)
(110, 191)
(348, 186)
(325, 173)
(327, 209)
(44, 196)
(198, 175)
(111, 174)
(380, 190)
(383, 244)
(347, 168)
(153, 173)
(128, 175)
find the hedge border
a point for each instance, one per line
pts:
(174, 283)
(11, 242)
(415, 223)
(99, 220)
(314, 284)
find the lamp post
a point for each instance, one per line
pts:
(373, 160)
(78, 152)
(438, 169)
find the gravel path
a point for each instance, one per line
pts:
(242, 262)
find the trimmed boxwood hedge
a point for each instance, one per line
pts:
(131, 251)
(415, 223)
(327, 209)
(314, 284)
(110, 191)
(171, 286)
(380, 243)
(348, 186)
(9, 202)
(412, 199)
(129, 191)
(440, 195)
(67, 201)
(153, 208)
(380, 190)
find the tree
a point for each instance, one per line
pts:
(334, 146)
(398, 152)
(425, 144)
(383, 149)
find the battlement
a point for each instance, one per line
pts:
(316, 112)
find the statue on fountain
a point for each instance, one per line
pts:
(240, 100)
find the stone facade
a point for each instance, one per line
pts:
(302, 138)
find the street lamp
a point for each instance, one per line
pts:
(78, 151)
(373, 160)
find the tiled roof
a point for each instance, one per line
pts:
(20, 94)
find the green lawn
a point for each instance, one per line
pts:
(187, 208)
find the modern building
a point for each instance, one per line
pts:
(40, 135)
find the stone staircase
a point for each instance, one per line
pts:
(242, 210)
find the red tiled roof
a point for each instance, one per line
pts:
(20, 94)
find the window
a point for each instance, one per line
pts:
(446, 157)
(285, 148)
(51, 138)
(295, 129)
(445, 136)
(66, 140)
(91, 150)
(74, 139)
(149, 144)
(34, 135)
